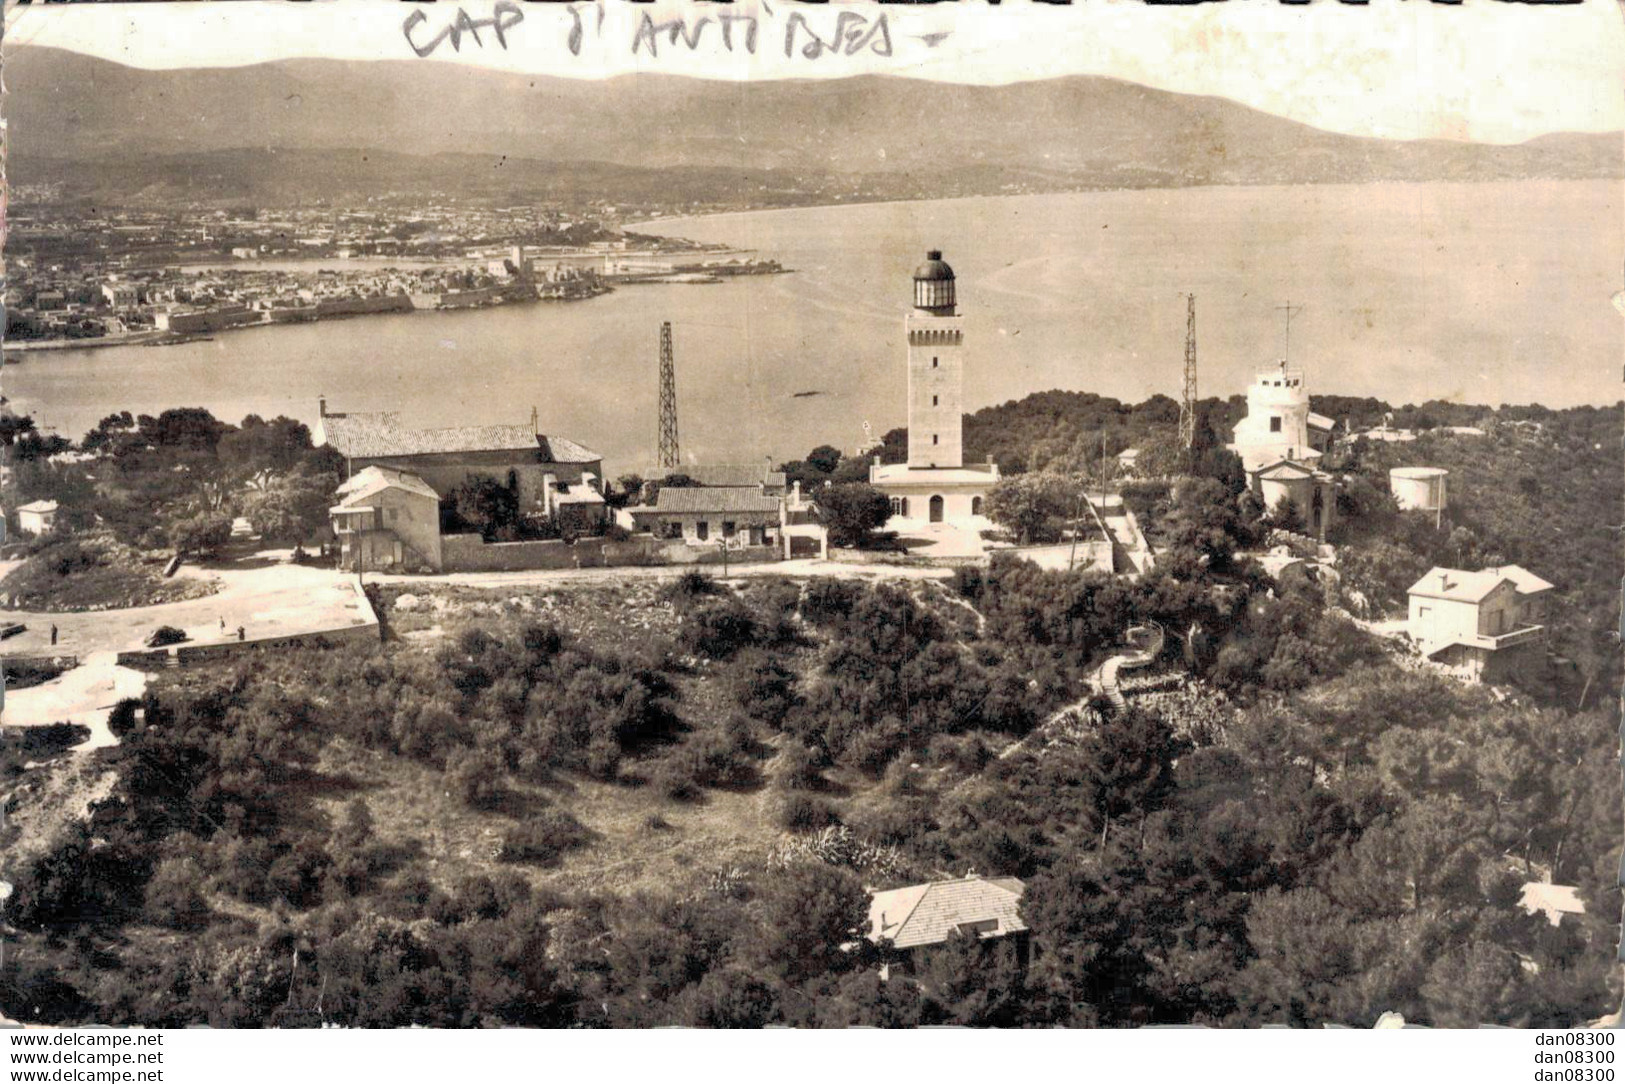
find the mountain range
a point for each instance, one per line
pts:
(280, 129)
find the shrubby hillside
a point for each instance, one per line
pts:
(661, 802)
(645, 806)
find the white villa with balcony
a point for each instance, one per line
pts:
(1478, 624)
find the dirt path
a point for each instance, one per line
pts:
(601, 577)
(84, 695)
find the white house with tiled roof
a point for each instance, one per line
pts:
(552, 476)
(387, 520)
(1478, 623)
(921, 916)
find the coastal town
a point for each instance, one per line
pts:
(164, 280)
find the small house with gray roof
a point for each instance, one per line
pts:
(735, 516)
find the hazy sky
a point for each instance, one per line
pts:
(1500, 72)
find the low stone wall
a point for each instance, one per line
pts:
(1135, 551)
(186, 654)
(1095, 555)
(903, 560)
(469, 553)
(681, 553)
(152, 658)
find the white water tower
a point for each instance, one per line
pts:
(1418, 489)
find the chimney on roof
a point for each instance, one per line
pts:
(535, 426)
(321, 407)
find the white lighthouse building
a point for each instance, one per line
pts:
(1280, 441)
(935, 485)
(1279, 424)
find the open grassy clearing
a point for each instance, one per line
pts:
(93, 573)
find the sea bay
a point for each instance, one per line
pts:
(1491, 293)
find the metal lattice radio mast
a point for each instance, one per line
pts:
(668, 402)
(1187, 405)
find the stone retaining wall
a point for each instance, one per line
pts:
(469, 553)
(152, 658)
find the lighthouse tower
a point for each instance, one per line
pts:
(936, 486)
(936, 368)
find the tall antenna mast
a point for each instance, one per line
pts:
(1286, 347)
(1187, 406)
(668, 402)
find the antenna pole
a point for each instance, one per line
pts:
(1286, 349)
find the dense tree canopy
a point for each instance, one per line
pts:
(852, 513)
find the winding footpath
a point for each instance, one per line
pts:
(1147, 642)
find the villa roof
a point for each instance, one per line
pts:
(1283, 468)
(374, 480)
(690, 499)
(560, 450)
(1526, 581)
(1554, 900)
(42, 507)
(1320, 421)
(378, 434)
(928, 914)
(740, 475)
(1456, 585)
(901, 474)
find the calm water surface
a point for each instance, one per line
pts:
(1483, 293)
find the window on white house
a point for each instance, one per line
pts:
(1275, 425)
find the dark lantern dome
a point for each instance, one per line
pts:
(933, 269)
(934, 285)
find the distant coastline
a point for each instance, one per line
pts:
(214, 322)
(265, 318)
